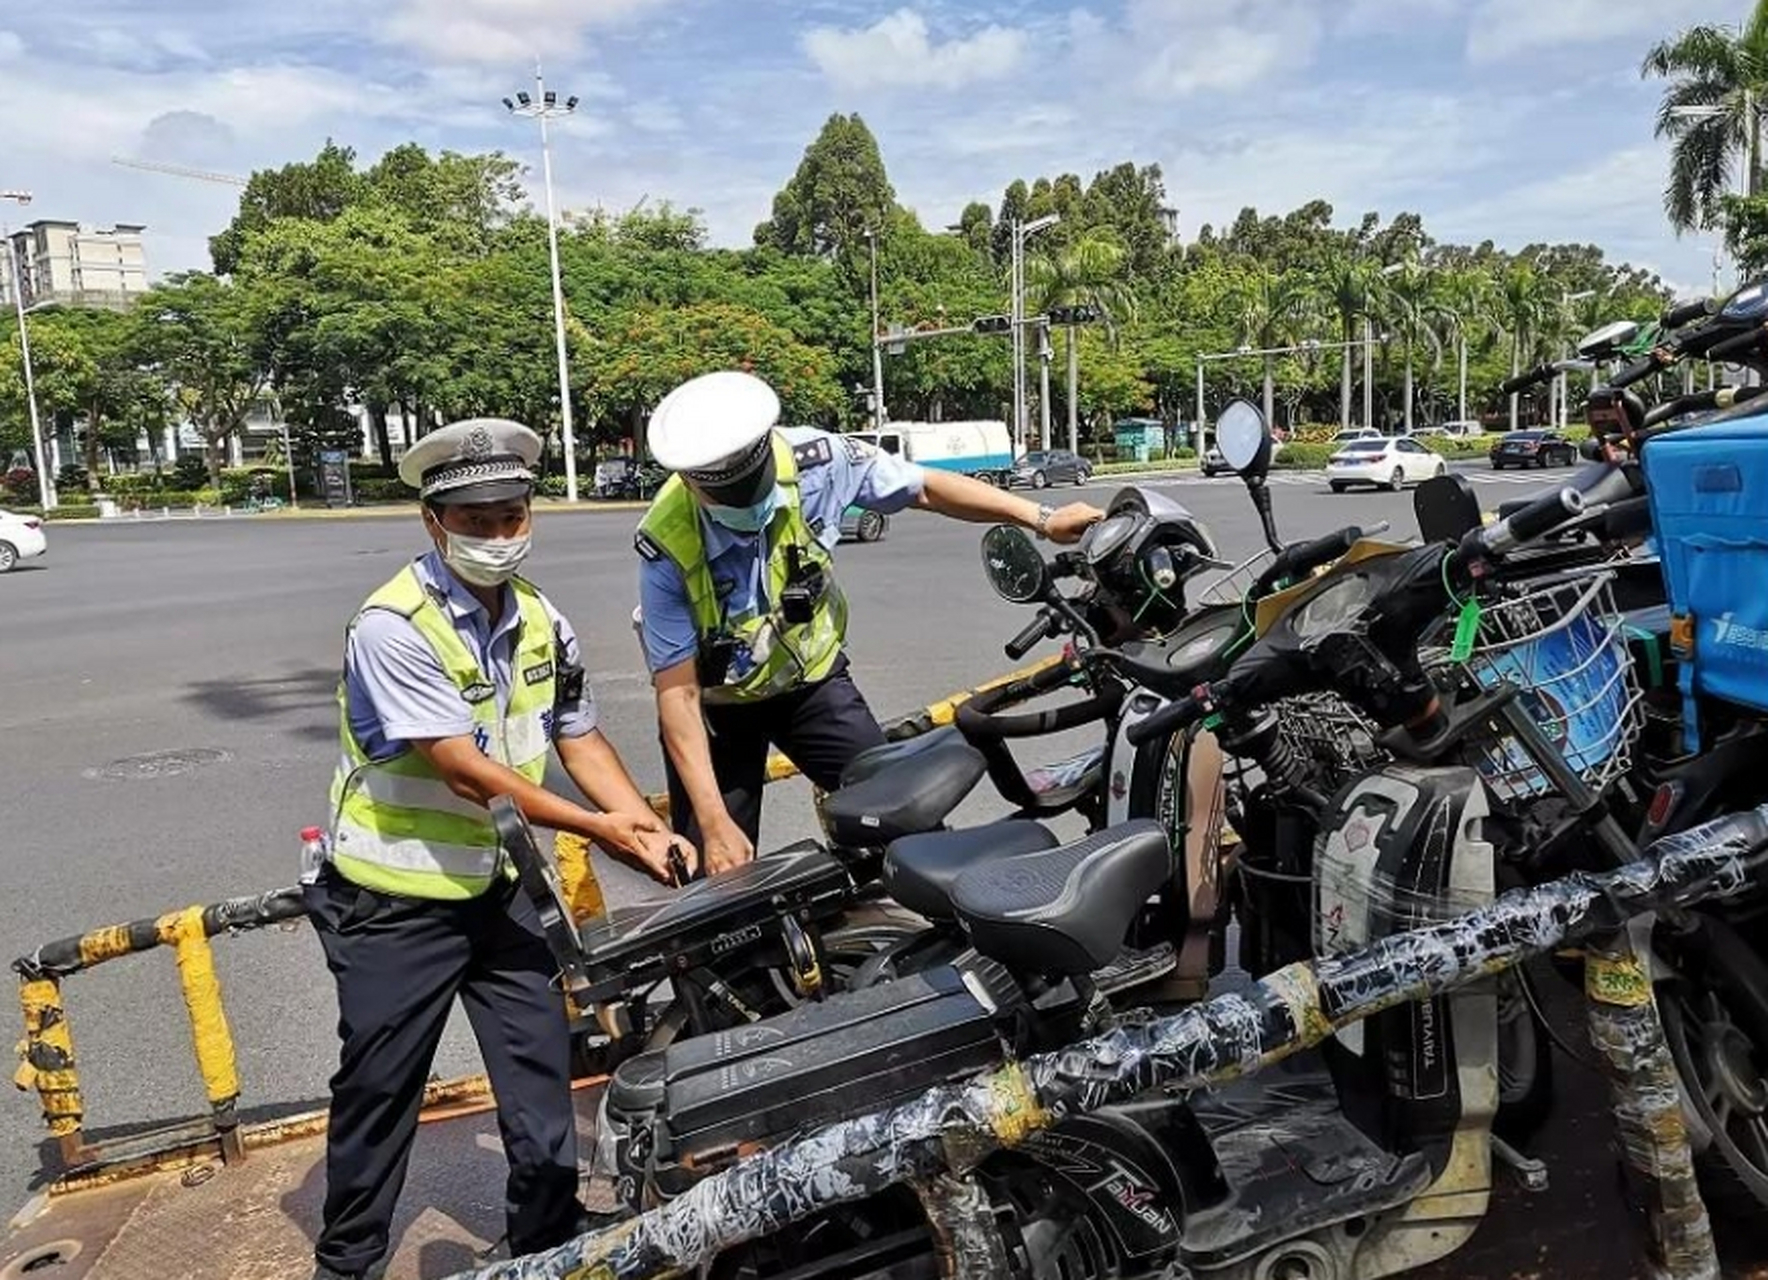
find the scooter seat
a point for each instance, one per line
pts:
(915, 794)
(919, 871)
(874, 760)
(1064, 912)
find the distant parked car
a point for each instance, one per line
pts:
(1392, 462)
(1533, 448)
(1214, 464)
(1464, 427)
(625, 477)
(1355, 433)
(1050, 466)
(21, 538)
(860, 525)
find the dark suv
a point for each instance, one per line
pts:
(1534, 449)
(1048, 467)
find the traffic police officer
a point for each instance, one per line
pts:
(740, 614)
(458, 678)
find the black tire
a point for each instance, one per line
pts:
(871, 526)
(1715, 1013)
(1081, 476)
(1039, 480)
(1397, 481)
(8, 557)
(1337, 486)
(1497, 466)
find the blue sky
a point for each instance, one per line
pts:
(1515, 120)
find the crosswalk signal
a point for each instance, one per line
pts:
(991, 324)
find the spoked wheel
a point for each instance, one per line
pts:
(1715, 1013)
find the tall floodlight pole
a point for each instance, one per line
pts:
(878, 415)
(45, 481)
(544, 106)
(1022, 231)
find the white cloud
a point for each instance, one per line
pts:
(1500, 29)
(1173, 48)
(1398, 19)
(504, 31)
(11, 45)
(900, 51)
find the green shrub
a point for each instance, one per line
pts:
(1131, 468)
(189, 472)
(1300, 455)
(380, 490)
(73, 478)
(126, 486)
(554, 487)
(1458, 446)
(74, 511)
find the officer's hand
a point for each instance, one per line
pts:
(1069, 522)
(654, 850)
(727, 847)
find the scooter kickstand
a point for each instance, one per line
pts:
(1529, 1171)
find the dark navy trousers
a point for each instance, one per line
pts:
(399, 964)
(820, 728)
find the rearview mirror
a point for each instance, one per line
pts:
(1014, 565)
(1244, 438)
(1608, 340)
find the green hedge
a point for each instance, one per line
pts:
(1300, 455)
(1185, 459)
(65, 511)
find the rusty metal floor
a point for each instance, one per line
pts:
(256, 1220)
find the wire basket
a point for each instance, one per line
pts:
(1231, 587)
(1333, 737)
(1563, 643)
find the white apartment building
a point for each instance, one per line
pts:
(75, 265)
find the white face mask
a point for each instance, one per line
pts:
(484, 562)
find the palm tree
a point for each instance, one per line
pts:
(1348, 288)
(1711, 113)
(1464, 310)
(1527, 302)
(1274, 309)
(1087, 272)
(1410, 296)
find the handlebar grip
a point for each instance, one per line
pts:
(1734, 345)
(1528, 378)
(1169, 719)
(1022, 644)
(1688, 312)
(1541, 516)
(978, 726)
(1636, 371)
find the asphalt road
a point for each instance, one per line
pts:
(167, 727)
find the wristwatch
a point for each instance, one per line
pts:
(1044, 512)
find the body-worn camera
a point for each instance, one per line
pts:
(804, 588)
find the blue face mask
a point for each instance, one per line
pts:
(750, 519)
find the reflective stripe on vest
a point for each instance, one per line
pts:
(397, 827)
(783, 656)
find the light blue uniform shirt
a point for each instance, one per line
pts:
(396, 689)
(856, 474)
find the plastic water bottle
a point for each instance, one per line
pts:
(315, 852)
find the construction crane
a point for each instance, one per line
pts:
(179, 171)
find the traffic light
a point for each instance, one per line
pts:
(1063, 316)
(992, 324)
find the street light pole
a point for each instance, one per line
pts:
(544, 106)
(45, 481)
(1044, 353)
(878, 414)
(1022, 231)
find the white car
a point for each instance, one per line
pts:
(1390, 462)
(21, 538)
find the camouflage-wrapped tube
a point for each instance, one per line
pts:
(954, 1127)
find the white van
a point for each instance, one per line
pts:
(968, 447)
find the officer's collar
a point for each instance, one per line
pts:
(451, 593)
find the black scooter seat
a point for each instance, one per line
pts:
(874, 760)
(1064, 912)
(914, 794)
(919, 871)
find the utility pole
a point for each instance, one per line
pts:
(1022, 231)
(879, 417)
(45, 481)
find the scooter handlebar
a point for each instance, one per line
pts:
(1688, 312)
(1528, 378)
(1174, 716)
